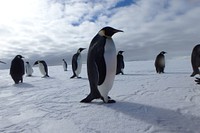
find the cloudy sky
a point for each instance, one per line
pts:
(55, 29)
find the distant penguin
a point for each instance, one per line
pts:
(77, 63)
(17, 69)
(101, 65)
(195, 60)
(64, 63)
(120, 63)
(29, 69)
(43, 67)
(160, 62)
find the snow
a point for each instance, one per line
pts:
(146, 102)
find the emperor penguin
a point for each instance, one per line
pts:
(101, 65)
(43, 67)
(160, 62)
(195, 60)
(77, 63)
(120, 63)
(64, 63)
(17, 69)
(29, 69)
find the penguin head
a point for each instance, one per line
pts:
(120, 52)
(19, 56)
(163, 52)
(108, 31)
(80, 49)
(37, 62)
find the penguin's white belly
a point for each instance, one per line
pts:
(42, 70)
(29, 70)
(111, 62)
(64, 66)
(79, 65)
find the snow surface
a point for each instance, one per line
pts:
(146, 102)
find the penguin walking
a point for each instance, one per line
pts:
(77, 63)
(43, 67)
(17, 69)
(120, 63)
(160, 62)
(64, 63)
(195, 60)
(101, 65)
(29, 69)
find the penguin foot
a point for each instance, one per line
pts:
(111, 101)
(193, 74)
(88, 99)
(73, 76)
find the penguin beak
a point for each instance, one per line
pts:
(118, 31)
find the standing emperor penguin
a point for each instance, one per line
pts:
(160, 62)
(17, 69)
(77, 63)
(29, 69)
(101, 65)
(120, 63)
(43, 67)
(195, 60)
(64, 63)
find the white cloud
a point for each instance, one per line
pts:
(39, 28)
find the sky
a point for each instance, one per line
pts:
(51, 30)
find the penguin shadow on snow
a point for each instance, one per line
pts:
(23, 85)
(177, 73)
(172, 121)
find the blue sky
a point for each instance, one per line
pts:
(55, 29)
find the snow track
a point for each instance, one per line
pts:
(146, 102)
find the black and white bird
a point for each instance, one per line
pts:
(77, 63)
(160, 62)
(195, 60)
(43, 67)
(29, 69)
(120, 63)
(17, 69)
(64, 64)
(101, 65)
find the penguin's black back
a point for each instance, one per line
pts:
(17, 67)
(74, 62)
(45, 66)
(17, 70)
(195, 60)
(96, 54)
(120, 63)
